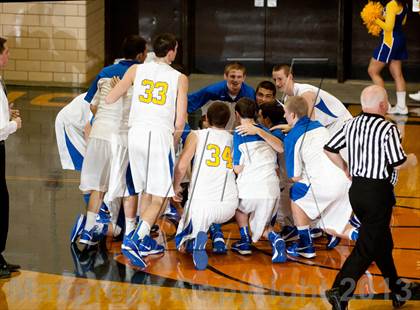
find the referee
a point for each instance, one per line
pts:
(374, 151)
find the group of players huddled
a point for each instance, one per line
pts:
(256, 159)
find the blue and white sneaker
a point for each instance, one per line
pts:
(333, 241)
(149, 246)
(289, 233)
(103, 216)
(93, 236)
(77, 228)
(132, 252)
(219, 245)
(306, 251)
(279, 251)
(316, 233)
(200, 257)
(354, 235)
(125, 240)
(172, 215)
(242, 246)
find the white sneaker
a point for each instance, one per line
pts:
(398, 110)
(415, 96)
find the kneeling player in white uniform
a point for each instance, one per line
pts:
(212, 195)
(157, 118)
(320, 189)
(255, 162)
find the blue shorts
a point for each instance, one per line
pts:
(398, 51)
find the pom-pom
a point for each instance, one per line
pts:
(369, 14)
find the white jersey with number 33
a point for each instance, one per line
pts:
(154, 96)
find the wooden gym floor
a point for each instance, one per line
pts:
(45, 201)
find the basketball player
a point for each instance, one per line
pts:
(212, 195)
(156, 122)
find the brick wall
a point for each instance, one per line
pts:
(53, 43)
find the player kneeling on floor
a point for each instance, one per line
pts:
(212, 195)
(255, 162)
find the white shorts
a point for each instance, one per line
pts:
(151, 155)
(200, 215)
(96, 166)
(261, 212)
(71, 144)
(332, 202)
(117, 177)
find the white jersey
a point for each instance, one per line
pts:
(154, 96)
(328, 109)
(111, 120)
(258, 179)
(212, 173)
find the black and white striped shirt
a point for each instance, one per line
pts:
(373, 146)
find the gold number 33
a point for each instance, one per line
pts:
(150, 86)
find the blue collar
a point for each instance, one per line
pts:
(128, 62)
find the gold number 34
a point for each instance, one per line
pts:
(226, 156)
(160, 98)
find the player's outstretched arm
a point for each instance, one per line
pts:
(181, 107)
(250, 129)
(122, 86)
(183, 164)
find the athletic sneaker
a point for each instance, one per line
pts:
(132, 252)
(200, 258)
(242, 246)
(415, 96)
(77, 228)
(219, 245)
(149, 246)
(125, 240)
(103, 216)
(333, 241)
(398, 110)
(306, 251)
(354, 235)
(335, 299)
(279, 251)
(289, 233)
(93, 236)
(172, 215)
(316, 233)
(409, 291)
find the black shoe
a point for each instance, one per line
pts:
(334, 298)
(4, 272)
(409, 291)
(13, 267)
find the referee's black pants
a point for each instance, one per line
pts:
(372, 202)
(4, 200)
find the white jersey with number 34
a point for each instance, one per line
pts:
(154, 96)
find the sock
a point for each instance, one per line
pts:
(86, 198)
(143, 230)
(90, 220)
(130, 225)
(214, 228)
(401, 99)
(304, 235)
(244, 231)
(272, 236)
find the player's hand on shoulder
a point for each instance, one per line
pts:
(247, 129)
(114, 81)
(283, 127)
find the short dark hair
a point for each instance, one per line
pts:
(235, 66)
(164, 43)
(132, 46)
(284, 67)
(298, 105)
(246, 108)
(218, 114)
(267, 85)
(2, 42)
(274, 112)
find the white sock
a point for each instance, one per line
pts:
(130, 225)
(90, 220)
(401, 99)
(144, 230)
